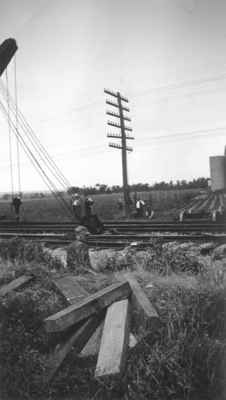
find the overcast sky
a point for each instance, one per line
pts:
(168, 57)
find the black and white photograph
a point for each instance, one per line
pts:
(113, 200)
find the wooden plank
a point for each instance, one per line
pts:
(70, 288)
(72, 292)
(92, 305)
(15, 284)
(77, 340)
(92, 347)
(114, 341)
(146, 313)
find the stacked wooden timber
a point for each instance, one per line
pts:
(100, 322)
(97, 324)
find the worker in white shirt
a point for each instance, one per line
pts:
(140, 208)
(77, 207)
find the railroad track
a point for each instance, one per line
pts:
(114, 241)
(123, 232)
(122, 226)
(106, 241)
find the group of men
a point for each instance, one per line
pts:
(142, 209)
(84, 213)
(82, 208)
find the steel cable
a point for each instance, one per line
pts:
(39, 147)
(9, 134)
(36, 163)
(17, 141)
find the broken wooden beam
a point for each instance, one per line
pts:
(76, 340)
(114, 341)
(15, 284)
(92, 305)
(91, 348)
(71, 290)
(146, 315)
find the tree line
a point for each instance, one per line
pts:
(198, 183)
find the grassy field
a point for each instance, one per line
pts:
(48, 209)
(183, 360)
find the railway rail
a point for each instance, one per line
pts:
(106, 241)
(121, 226)
(118, 233)
(112, 241)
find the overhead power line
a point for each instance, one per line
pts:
(182, 134)
(171, 86)
(183, 84)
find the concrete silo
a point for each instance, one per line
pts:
(218, 173)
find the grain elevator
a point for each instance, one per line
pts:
(218, 173)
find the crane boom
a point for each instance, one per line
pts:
(7, 50)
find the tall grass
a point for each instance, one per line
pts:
(184, 359)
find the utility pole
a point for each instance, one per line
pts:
(123, 146)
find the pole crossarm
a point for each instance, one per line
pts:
(118, 136)
(119, 126)
(110, 93)
(116, 105)
(114, 124)
(112, 114)
(118, 146)
(114, 135)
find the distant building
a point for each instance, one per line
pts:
(218, 172)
